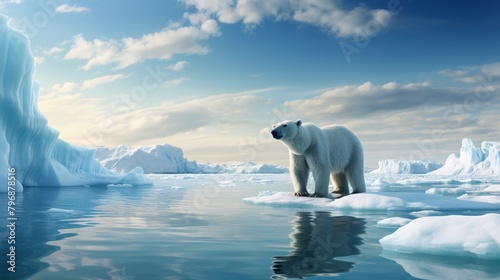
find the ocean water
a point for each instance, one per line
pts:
(198, 227)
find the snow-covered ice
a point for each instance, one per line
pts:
(425, 213)
(466, 236)
(379, 201)
(473, 160)
(393, 166)
(493, 199)
(492, 189)
(446, 191)
(27, 142)
(379, 183)
(393, 222)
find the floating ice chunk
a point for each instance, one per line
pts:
(382, 201)
(393, 222)
(492, 189)
(425, 213)
(492, 199)
(426, 181)
(446, 191)
(227, 184)
(464, 236)
(379, 183)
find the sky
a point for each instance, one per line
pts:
(410, 78)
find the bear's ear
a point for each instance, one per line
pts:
(298, 122)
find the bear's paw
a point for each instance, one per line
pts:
(299, 193)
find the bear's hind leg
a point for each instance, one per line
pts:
(340, 184)
(357, 179)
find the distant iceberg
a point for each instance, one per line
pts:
(152, 159)
(164, 158)
(27, 142)
(392, 166)
(473, 160)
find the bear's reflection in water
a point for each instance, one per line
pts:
(318, 238)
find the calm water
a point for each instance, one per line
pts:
(198, 227)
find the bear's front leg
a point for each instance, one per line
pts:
(299, 171)
(321, 178)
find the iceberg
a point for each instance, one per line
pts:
(393, 166)
(27, 143)
(162, 158)
(461, 236)
(473, 161)
(165, 158)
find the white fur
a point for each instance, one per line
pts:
(328, 151)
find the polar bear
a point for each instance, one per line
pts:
(332, 150)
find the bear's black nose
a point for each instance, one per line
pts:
(274, 133)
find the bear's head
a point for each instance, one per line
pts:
(286, 130)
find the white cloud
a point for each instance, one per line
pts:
(65, 8)
(71, 113)
(92, 83)
(39, 60)
(53, 51)
(96, 52)
(65, 87)
(351, 102)
(175, 82)
(102, 124)
(68, 87)
(159, 45)
(330, 15)
(4, 2)
(484, 74)
(178, 66)
(404, 121)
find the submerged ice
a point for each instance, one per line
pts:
(27, 142)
